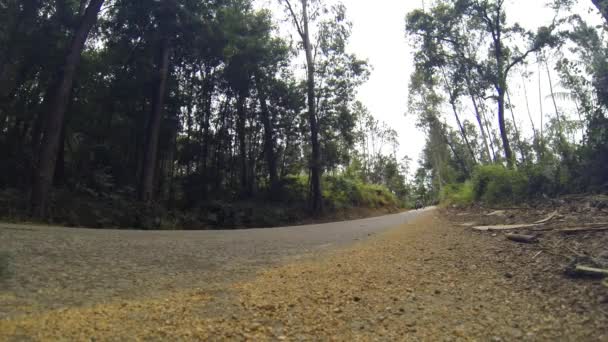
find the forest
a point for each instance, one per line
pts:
(471, 58)
(222, 113)
(187, 113)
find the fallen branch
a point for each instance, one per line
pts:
(580, 270)
(506, 227)
(522, 238)
(548, 218)
(582, 230)
(497, 213)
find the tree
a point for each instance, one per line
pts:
(490, 16)
(301, 17)
(58, 100)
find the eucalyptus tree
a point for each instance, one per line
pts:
(339, 74)
(57, 102)
(489, 17)
(331, 75)
(302, 13)
(444, 51)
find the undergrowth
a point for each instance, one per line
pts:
(118, 209)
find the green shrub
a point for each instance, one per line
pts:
(541, 180)
(458, 194)
(294, 189)
(495, 184)
(343, 192)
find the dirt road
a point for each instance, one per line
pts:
(424, 280)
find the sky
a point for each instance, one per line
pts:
(378, 35)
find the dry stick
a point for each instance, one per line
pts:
(582, 230)
(590, 271)
(590, 227)
(548, 218)
(505, 227)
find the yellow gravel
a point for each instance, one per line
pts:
(424, 281)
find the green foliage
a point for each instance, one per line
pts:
(461, 194)
(294, 189)
(495, 184)
(342, 192)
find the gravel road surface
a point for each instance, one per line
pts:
(56, 267)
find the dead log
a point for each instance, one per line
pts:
(522, 238)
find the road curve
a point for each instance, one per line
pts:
(54, 267)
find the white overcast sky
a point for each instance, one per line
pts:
(379, 36)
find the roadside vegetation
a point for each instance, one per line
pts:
(161, 114)
(512, 114)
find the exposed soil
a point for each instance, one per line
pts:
(426, 280)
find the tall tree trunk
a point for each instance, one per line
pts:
(146, 186)
(241, 135)
(540, 100)
(560, 127)
(484, 136)
(501, 85)
(503, 129)
(269, 153)
(169, 164)
(491, 138)
(463, 132)
(528, 107)
(517, 135)
(207, 98)
(55, 116)
(315, 167)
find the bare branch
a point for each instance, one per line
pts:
(523, 57)
(294, 17)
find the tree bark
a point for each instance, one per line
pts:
(146, 187)
(452, 101)
(269, 153)
(207, 98)
(501, 83)
(484, 136)
(55, 116)
(503, 130)
(520, 145)
(315, 167)
(241, 136)
(169, 164)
